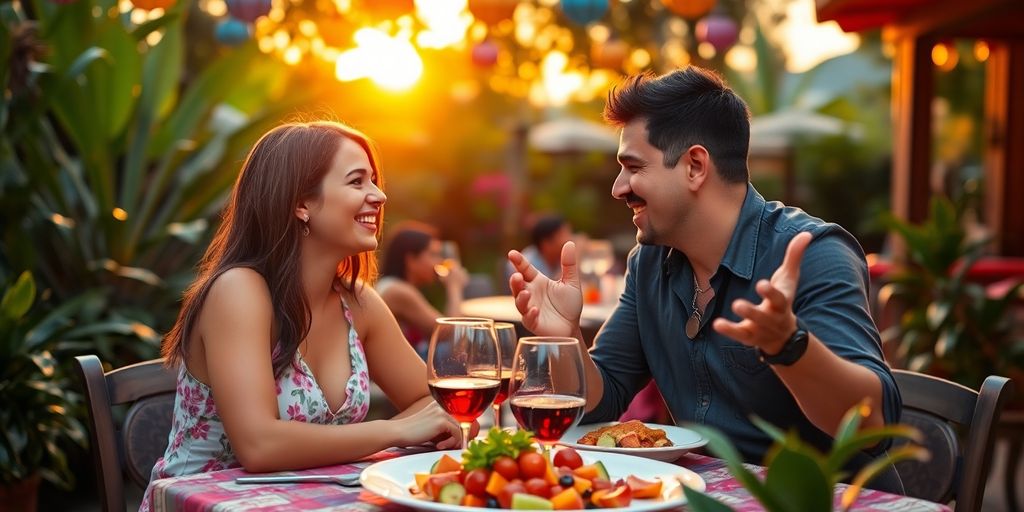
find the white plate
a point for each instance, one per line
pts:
(391, 479)
(683, 440)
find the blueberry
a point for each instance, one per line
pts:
(566, 481)
(492, 502)
(586, 494)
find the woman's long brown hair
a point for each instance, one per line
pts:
(259, 230)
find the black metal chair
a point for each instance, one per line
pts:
(133, 445)
(958, 425)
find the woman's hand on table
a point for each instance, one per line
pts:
(430, 424)
(549, 308)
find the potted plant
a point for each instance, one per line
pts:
(946, 324)
(36, 397)
(799, 478)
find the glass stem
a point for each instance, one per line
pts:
(465, 433)
(497, 416)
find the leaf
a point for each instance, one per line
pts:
(19, 298)
(86, 59)
(842, 452)
(851, 422)
(799, 482)
(938, 313)
(905, 452)
(773, 432)
(700, 502)
(723, 449)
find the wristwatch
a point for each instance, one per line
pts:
(791, 352)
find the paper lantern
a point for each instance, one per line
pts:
(492, 12)
(610, 54)
(689, 9)
(583, 12)
(152, 4)
(485, 54)
(233, 32)
(719, 30)
(248, 10)
(388, 9)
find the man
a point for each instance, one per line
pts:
(547, 236)
(734, 306)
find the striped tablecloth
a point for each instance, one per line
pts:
(217, 491)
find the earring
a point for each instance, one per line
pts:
(305, 225)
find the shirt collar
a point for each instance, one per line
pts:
(740, 254)
(742, 251)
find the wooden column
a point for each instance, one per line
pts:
(912, 92)
(1004, 148)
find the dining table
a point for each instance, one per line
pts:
(217, 490)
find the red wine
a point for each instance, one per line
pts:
(464, 397)
(548, 416)
(506, 376)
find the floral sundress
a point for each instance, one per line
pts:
(197, 442)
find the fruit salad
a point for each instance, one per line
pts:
(506, 470)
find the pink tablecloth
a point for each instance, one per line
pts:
(217, 491)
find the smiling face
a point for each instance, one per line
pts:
(347, 213)
(657, 194)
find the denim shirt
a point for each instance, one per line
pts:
(713, 379)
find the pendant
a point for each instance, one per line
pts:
(693, 325)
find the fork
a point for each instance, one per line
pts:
(342, 480)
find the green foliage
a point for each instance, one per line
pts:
(800, 478)
(114, 158)
(481, 453)
(35, 392)
(949, 326)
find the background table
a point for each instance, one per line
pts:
(217, 491)
(502, 308)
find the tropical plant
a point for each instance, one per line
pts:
(115, 160)
(35, 392)
(948, 325)
(799, 478)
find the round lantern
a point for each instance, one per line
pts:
(233, 32)
(153, 4)
(248, 10)
(492, 12)
(719, 30)
(388, 9)
(583, 12)
(689, 9)
(485, 54)
(610, 54)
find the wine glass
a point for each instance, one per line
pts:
(449, 258)
(507, 347)
(598, 257)
(463, 368)
(548, 389)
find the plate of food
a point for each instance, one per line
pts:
(659, 442)
(507, 471)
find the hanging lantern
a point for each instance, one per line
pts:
(492, 12)
(151, 4)
(388, 9)
(610, 54)
(248, 10)
(718, 30)
(584, 12)
(485, 54)
(335, 31)
(689, 9)
(233, 32)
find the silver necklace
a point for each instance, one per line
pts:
(693, 324)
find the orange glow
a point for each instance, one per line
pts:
(391, 63)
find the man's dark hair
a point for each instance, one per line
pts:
(686, 107)
(545, 227)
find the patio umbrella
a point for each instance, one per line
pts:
(568, 134)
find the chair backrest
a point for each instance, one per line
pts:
(134, 445)
(958, 425)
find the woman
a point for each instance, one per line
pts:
(278, 337)
(411, 260)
